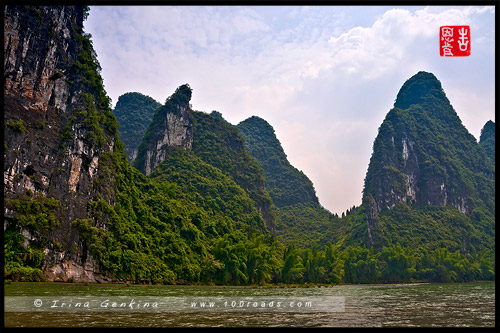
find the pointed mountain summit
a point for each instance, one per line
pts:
(487, 139)
(420, 89)
(134, 112)
(301, 220)
(286, 184)
(171, 127)
(424, 156)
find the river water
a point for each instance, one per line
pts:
(391, 305)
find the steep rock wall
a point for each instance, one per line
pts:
(50, 147)
(171, 127)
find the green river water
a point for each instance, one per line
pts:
(392, 305)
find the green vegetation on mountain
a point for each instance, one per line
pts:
(165, 232)
(305, 225)
(219, 143)
(134, 112)
(160, 233)
(434, 227)
(177, 224)
(429, 183)
(22, 263)
(40, 215)
(213, 191)
(187, 222)
(301, 220)
(286, 185)
(487, 140)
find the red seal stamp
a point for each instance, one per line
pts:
(454, 41)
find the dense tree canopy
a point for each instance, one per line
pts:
(134, 112)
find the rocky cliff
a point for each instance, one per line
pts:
(58, 125)
(423, 155)
(171, 127)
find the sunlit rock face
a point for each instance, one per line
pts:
(172, 127)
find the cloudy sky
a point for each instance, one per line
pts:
(323, 77)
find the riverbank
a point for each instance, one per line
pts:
(214, 286)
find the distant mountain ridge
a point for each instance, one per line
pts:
(487, 140)
(286, 184)
(301, 220)
(134, 112)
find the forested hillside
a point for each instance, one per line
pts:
(286, 185)
(301, 221)
(134, 112)
(487, 140)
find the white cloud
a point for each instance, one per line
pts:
(323, 77)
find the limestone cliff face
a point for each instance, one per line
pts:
(423, 155)
(38, 54)
(171, 127)
(51, 150)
